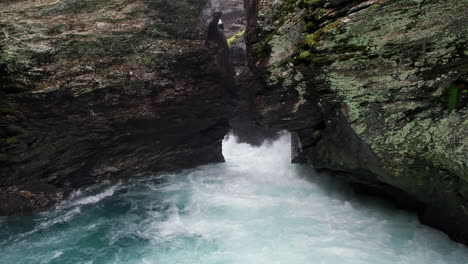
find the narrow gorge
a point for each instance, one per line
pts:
(233, 131)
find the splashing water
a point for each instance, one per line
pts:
(255, 208)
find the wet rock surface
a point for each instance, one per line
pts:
(99, 90)
(243, 125)
(362, 86)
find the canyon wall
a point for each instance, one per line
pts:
(94, 90)
(362, 85)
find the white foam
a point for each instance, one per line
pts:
(98, 197)
(57, 254)
(259, 208)
(256, 208)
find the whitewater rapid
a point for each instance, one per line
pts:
(256, 208)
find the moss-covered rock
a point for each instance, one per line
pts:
(370, 76)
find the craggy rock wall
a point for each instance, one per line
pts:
(242, 124)
(92, 90)
(361, 84)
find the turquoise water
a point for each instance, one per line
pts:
(256, 208)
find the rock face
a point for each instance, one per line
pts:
(361, 84)
(243, 126)
(92, 90)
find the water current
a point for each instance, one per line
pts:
(257, 208)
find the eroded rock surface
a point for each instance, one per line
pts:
(243, 126)
(94, 90)
(361, 84)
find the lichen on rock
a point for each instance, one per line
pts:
(373, 75)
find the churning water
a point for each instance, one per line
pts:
(256, 208)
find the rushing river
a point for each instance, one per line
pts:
(255, 208)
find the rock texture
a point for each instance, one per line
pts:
(243, 126)
(94, 90)
(361, 84)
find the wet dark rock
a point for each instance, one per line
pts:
(242, 123)
(92, 92)
(335, 3)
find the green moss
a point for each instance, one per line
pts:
(258, 49)
(305, 55)
(311, 39)
(332, 25)
(263, 48)
(235, 37)
(269, 37)
(373, 7)
(319, 12)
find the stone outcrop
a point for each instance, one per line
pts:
(361, 85)
(243, 126)
(94, 90)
